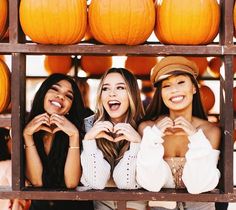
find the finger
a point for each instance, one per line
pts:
(105, 126)
(124, 127)
(45, 128)
(168, 133)
(120, 138)
(57, 116)
(56, 130)
(104, 135)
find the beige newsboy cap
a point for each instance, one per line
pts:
(170, 64)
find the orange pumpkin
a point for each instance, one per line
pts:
(189, 22)
(53, 21)
(234, 17)
(3, 17)
(214, 67)
(5, 90)
(234, 64)
(201, 63)
(234, 137)
(57, 64)
(121, 22)
(2, 57)
(207, 98)
(96, 64)
(234, 98)
(140, 65)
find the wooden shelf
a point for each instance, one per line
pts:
(5, 120)
(146, 49)
(118, 195)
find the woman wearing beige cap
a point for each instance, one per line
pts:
(179, 147)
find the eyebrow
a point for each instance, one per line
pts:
(69, 91)
(120, 83)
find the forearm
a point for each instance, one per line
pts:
(96, 170)
(150, 162)
(200, 172)
(72, 170)
(124, 173)
(34, 168)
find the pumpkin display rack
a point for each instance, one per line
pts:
(17, 46)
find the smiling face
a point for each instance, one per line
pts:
(177, 92)
(59, 98)
(114, 97)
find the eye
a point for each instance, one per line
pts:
(120, 87)
(105, 88)
(54, 88)
(181, 82)
(71, 97)
(165, 86)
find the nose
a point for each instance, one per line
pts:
(112, 92)
(60, 96)
(174, 88)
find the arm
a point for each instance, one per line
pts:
(200, 172)
(34, 168)
(124, 173)
(72, 171)
(96, 170)
(152, 171)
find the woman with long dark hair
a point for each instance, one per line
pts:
(111, 145)
(179, 147)
(52, 138)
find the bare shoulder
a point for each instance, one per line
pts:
(144, 125)
(212, 132)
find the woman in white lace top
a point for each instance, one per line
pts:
(179, 147)
(110, 147)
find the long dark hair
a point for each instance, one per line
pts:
(158, 108)
(4, 138)
(114, 152)
(54, 162)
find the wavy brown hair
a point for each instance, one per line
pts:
(113, 152)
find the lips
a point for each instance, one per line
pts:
(56, 103)
(177, 99)
(114, 105)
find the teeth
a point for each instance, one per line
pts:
(113, 102)
(177, 99)
(56, 104)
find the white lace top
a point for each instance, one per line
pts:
(97, 171)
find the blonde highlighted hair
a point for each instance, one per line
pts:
(113, 152)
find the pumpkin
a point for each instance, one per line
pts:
(3, 18)
(2, 57)
(201, 63)
(96, 64)
(189, 22)
(234, 64)
(234, 135)
(57, 64)
(214, 67)
(5, 83)
(53, 21)
(234, 99)
(207, 98)
(88, 35)
(140, 65)
(121, 22)
(234, 18)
